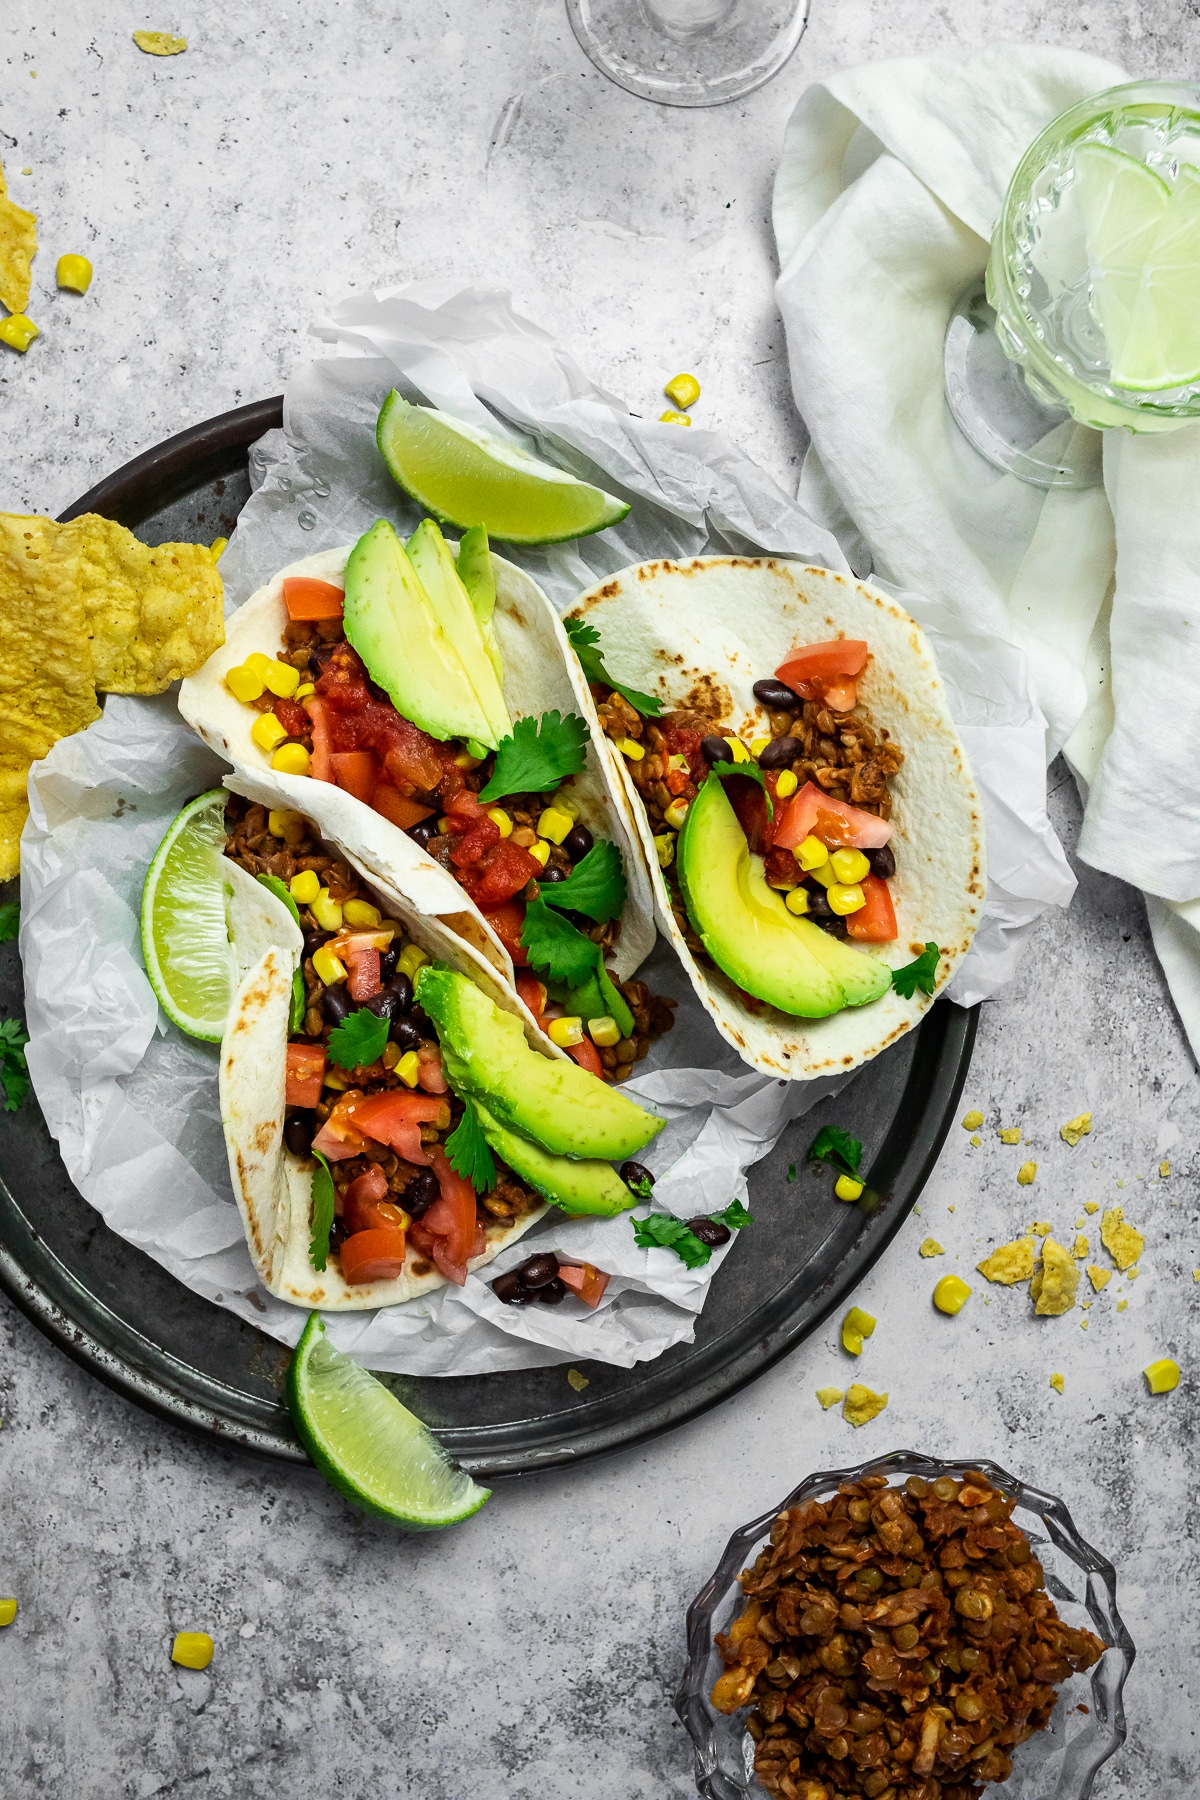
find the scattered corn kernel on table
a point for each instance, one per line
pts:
(222, 196)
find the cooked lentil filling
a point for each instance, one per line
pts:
(897, 1644)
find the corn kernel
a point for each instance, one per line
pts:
(361, 912)
(281, 820)
(849, 866)
(260, 663)
(500, 820)
(443, 826)
(676, 813)
(684, 390)
(604, 1031)
(8, 1612)
(282, 680)
(1162, 1376)
(327, 911)
(845, 897)
(18, 332)
(305, 887)
(218, 548)
(797, 902)
(951, 1294)
(244, 683)
(267, 732)
(328, 967)
(292, 759)
(566, 1031)
(554, 824)
(665, 850)
(540, 851)
(678, 761)
(74, 272)
(631, 748)
(856, 1326)
(304, 690)
(738, 750)
(847, 1188)
(192, 1649)
(673, 418)
(410, 959)
(787, 784)
(811, 854)
(409, 1068)
(757, 746)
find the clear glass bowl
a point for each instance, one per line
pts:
(1059, 1763)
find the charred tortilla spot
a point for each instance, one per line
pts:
(421, 1267)
(264, 1136)
(609, 591)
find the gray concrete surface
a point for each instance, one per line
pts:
(294, 153)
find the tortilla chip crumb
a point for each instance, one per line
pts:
(972, 1121)
(1196, 1274)
(1010, 1263)
(1081, 1247)
(931, 1247)
(1055, 1281)
(1083, 1324)
(1164, 1169)
(1026, 1173)
(861, 1405)
(1040, 1228)
(1011, 1135)
(1132, 1274)
(18, 246)
(1057, 1383)
(1074, 1129)
(829, 1397)
(160, 43)
(1091, 1206)
(1123, 1242)
(1121, 1305)
(1099, 1278)
(977, 1142)
(577, 1380)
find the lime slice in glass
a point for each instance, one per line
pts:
(466, 477)
(368, 1446)
(1123, 204)
(189, 957)
(1161, 348)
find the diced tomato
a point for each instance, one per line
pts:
(396, 1118)
(677, 781)
(450, 1221)
(372, 1185)
(431, 1076)
(587, 1056)
(823, 662)
(322, 760)
(357, 771)
(586, 1280)
(813, 813)
(532, 992)
(376, 1255)
(504, 871)
(337, 1139)
(307, 598)
(395, 806)
(874, 923)
(292, 717)
(366, 1207)
(464, 807)
(508, 922)
(750, 804)
(412, 761)
(362, 975)
(683, 740)
(840, 696)
(472, 848)
(305, 1074)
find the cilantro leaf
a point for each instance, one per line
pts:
(322, 1213)
(538, 755)
(553, 944)
(358, 1040)
(299, 1002)
(791, 1172)
(469, 1154)
(595, 886)
(10, 918)
(735, 1216)
(665, 1232)
(836, 1147)
(14, 1076)
(920, 974)
(279, 888)
(584, 639)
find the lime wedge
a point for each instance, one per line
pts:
(191, 963)
(466, 477)
(1161, 348)
(1123, 204)
(368, 1446)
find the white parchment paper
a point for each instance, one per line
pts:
(133, 1103)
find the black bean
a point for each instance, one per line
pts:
(401, 986)
(298, 1132)
(578, 842)
(635, 1176)
(321, 655)
(420, 1193)
(883, 862)
(554, 1292)
(336, 1003)
(383, 1004)
(776, 696)
(551, 873)
(314, 940)
(716, 749)
(337, 1235)
(508, 1289)
(709, 1231)
(818, 902)
(422, 831)
(387, 965)
(780, 752)
(537, 1270)
(404, 1034)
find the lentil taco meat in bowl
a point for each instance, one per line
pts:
(800, 792)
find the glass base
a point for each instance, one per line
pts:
(998, 414)
(689, 52)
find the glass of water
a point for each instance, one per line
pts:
(689, 52)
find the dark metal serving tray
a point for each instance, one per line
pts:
(123, 1317)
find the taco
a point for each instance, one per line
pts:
(394, 1116)
(803, 800)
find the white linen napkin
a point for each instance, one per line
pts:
(891, 180)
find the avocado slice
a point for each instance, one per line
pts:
(746, 928)
(596, 998)
(477, 575)
(390, 622)
(553, 1101)
(862, 977)
(578, 1187)
(452, 606)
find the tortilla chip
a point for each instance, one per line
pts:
(155, 614)
(18, 243)
(160, 43)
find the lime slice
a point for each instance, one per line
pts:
(1162, 346)
(1123, 204)
(466, 477)
(191, 963)
(368, 1446)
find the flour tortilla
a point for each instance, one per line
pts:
(538, 678)
(700, 634)
(273, 1188)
